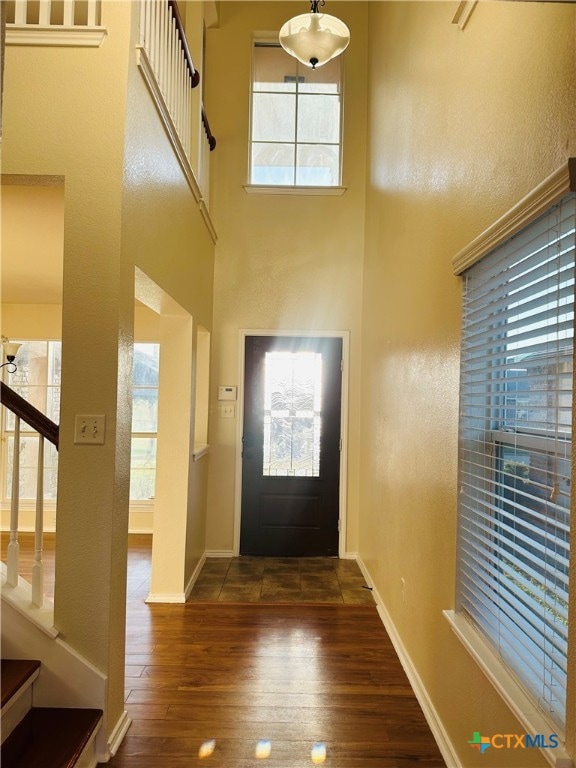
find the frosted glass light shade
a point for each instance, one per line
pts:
(314, 38)
(11, 349)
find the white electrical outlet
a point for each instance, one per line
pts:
(89, 429)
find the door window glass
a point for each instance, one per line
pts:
(292, 413)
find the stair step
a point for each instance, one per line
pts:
(14, 674)
(50, 738)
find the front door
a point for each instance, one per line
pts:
(291, 446)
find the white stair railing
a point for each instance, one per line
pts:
(46, 429)
(38, 567)
(13, 553)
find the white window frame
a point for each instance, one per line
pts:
(50, 503)
(7, 434)
(523, 705)
(293, 189)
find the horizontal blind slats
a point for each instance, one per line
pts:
(515, 450)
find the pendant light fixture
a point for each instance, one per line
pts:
(10, 351)
(314, 38)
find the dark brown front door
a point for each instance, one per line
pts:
(291, 446)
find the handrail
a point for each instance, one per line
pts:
(209, 134)
(194, 74)
(28, 413)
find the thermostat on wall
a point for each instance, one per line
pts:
(227, 393)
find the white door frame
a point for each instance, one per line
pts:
(345, 336)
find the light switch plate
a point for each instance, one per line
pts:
(89, 429)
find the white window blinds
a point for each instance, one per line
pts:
(515, 452)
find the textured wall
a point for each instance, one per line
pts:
(462, 124)
(283, 262)
(84, 114)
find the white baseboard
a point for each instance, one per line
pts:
(177, 597)
(219, 553)
(432, 718)
(116, 736)
(166, 597)
(194, 576)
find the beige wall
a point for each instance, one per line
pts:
(167, 239)
(462, 124)
(64, 116)
(85, 115)
(282, 262)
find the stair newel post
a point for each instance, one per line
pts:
(38, 567)
(13, 553)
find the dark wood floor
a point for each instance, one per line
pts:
(227, 684)
(290, 676)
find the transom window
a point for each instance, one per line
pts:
(296, 120)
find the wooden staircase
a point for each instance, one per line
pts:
(42, 737)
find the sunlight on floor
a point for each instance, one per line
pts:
(263, 750)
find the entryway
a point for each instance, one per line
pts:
(295, 580)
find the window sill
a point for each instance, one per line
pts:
(530, 717)
(199, 451)
(254, 189)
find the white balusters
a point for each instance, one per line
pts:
(13, 553)
(20, 11)
(66, 9)
(68, 13)
(44, 12)
(38, 567)
(92, 13)
(164, 47)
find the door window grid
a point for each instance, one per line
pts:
(292, 414)
(296, 121)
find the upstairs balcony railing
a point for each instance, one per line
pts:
(167, 66)
(53, 22)
(49, 13)
(164, 59)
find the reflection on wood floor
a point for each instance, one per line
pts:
(240, 685)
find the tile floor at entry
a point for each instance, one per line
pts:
(281, 580)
